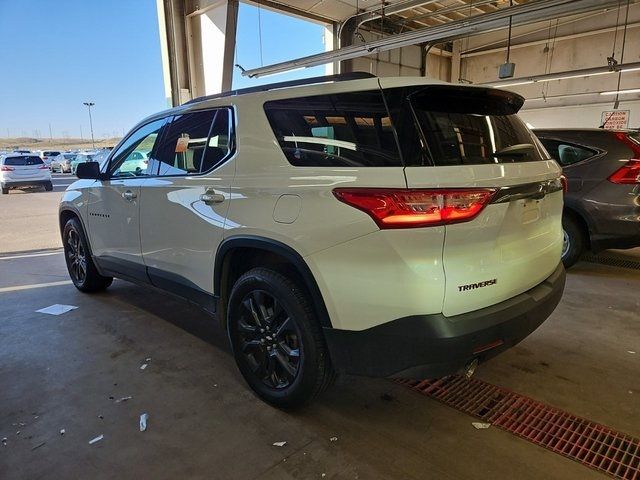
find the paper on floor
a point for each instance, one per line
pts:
(143, 421)
(480, 425)
(57, 309)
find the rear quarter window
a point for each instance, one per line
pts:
(566, 153)
(340, 130)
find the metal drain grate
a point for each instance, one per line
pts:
(584, 441)
(612, 261)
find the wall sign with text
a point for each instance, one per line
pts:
(615, 119)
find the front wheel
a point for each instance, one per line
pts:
(80, 266)
(276, 339)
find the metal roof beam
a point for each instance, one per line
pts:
(527, 13)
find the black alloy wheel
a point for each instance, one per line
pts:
(76, 257)
(276, 338)
(270, 342)
(82, 270)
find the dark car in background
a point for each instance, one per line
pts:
(602, 203)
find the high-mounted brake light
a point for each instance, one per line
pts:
(413, 208)
(629, 173)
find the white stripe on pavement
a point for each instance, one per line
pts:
(35, 285)
(31, 255)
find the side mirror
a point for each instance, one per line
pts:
(88, 170)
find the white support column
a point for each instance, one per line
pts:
(330, 42)
(456, 61)
(213, 41)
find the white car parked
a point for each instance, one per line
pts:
(17, 170)
(380, 227)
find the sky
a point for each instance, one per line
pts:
(55, 55)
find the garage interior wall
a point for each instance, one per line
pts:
(195, 31)
(579, 43)
(406, 61)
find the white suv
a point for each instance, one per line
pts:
(380, 227)
(23, 170)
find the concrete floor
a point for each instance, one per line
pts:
(67, 371)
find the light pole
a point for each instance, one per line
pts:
(89, 105)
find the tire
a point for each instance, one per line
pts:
(286, 363)
(5, 190)
(574, 241)
(48, 186)
(80, 266)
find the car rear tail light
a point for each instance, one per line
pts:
(413, 208)
(629, 173)
(4, 168)
(43, 167)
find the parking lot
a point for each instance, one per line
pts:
(72, 371)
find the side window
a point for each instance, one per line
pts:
(132, 157)
(195, 143)
(566, 153)
(343, 130)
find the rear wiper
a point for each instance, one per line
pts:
(512, 150)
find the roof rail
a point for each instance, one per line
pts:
(339, 77)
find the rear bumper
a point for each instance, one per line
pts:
(430, 346)
(25, 183)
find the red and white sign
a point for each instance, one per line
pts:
(615, 119)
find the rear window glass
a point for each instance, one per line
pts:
(69, 156)
(23, 161)
(340, 130)
(443, 125)
(51, 154)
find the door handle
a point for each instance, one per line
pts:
(129, 195)
(211, 198)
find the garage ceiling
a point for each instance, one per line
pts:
(401, 14)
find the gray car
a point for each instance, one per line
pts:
(602, 203)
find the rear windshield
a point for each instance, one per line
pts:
(51, 154)
(435, 125)
(69, 156)
(23, 161)
(445, 125)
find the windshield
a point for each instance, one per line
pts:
(444, 125)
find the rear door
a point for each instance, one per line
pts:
(472, 140)
(185, 203)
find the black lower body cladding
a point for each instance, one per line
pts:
(431, 346)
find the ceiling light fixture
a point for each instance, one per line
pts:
(621, 92)
(585, 72)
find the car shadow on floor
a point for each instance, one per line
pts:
(184, 315)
